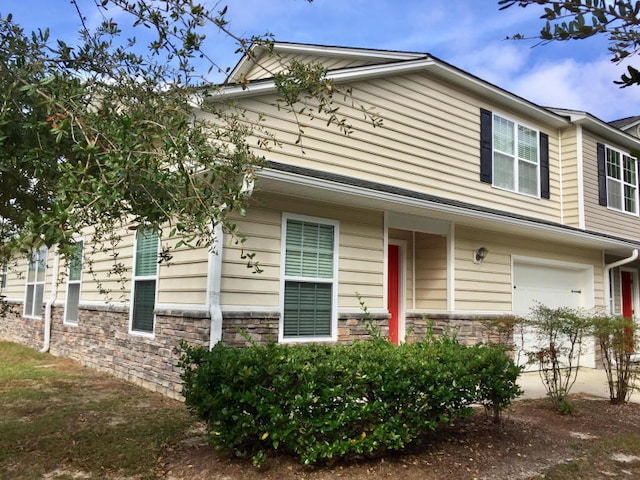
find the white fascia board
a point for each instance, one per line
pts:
(447, 209)
(438, 68)
(600, 127)
(346, 52)
(263, 87)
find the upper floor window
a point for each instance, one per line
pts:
(622, 181)
(145, 279)
(35, 283)
(74, 282)
(513, 156)
(310, 279)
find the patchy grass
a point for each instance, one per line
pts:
(615, 456)
(60, 420)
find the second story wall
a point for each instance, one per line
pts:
(598, 217)
(570, 177)
(429, 142)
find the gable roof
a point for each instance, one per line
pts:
(361, 56)
(626, 123)
(383, 63)
(609, 131)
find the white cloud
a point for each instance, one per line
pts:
(586, 86)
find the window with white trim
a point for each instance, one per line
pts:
(310, 278)
(145, 280)
(34, 296)
(516, 159)
(4, 272)
(622, 181)
(74, 282)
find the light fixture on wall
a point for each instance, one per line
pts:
(480, 254)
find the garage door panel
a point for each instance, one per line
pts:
(553, 287)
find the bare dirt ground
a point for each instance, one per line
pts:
(531, 442)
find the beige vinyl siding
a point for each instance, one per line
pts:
(240, 286)
(184, 279)
(431, 272)
(16, 280)
(429, 142)
(98, 265)
(360, 267)
(269, 65)
(599, 218)
(488, 286)
(570, 183)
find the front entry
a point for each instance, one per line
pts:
(626, 286)
(393, 292)
(627, 295)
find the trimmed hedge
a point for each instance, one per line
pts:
(327, 401)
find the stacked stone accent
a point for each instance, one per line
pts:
(101, 339)
(469, 330)
(15, 328)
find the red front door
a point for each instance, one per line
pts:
(627, 296)
(393, 293)
(627, 304)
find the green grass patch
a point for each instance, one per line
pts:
(617, 456)
(56, 415)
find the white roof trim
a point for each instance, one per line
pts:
(438, 68)
(447, 209)
(346, 52)
(258, 50)
(613, 134)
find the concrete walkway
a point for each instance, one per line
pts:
(590, 381)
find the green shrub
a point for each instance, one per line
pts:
(617, 338)
(321, 402)
(560, 333)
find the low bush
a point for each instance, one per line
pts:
(617, 339)
(321, 402)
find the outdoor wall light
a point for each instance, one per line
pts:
(480, 254)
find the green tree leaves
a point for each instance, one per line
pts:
(580, 19)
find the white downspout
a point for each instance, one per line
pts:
(214, 286)
(214, 274)
(607, 278)
(47, 309)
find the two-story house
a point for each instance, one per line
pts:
(468, 203)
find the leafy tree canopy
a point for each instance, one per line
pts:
(566, 20)
(108, 131)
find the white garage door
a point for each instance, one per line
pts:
(554, 287)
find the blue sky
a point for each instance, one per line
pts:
(469, 34)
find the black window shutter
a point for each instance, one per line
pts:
(544, 166)
(602, 175)
(486, 147)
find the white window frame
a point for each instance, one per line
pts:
(621, 181)
(35, 260)
(137, 278)
(514, 156)
(4, 274)
(70, 282)
(332, 281)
